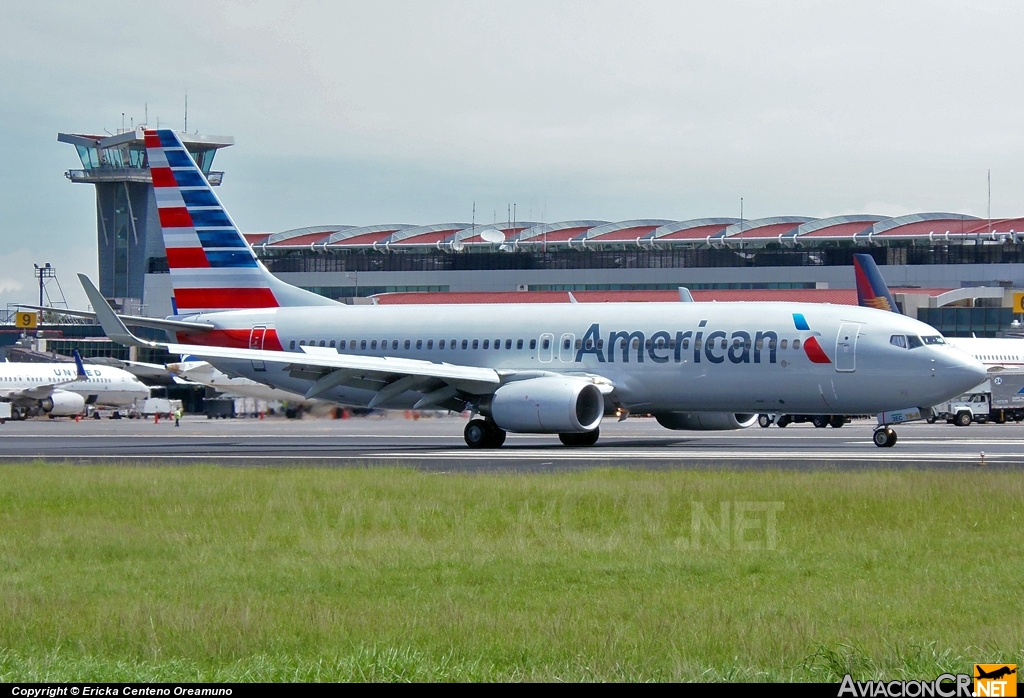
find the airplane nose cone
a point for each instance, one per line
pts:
(963, 372)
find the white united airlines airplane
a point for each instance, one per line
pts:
(556, 369)
(62, 389)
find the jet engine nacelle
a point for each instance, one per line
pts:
(548, 405)
(705, 421)
(63, 404)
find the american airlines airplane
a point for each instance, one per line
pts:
(995, 353)
(552, 369)
(62, 389)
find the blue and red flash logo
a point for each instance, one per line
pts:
(811, 347)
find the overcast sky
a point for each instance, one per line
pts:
(381, 112)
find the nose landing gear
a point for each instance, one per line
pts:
(884, 437)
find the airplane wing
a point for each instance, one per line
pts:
(389, 376)
(134, 320)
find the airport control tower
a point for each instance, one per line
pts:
(127, 225)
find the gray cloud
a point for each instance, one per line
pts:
(362, 113)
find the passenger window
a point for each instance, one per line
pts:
(736, 343)
(508, 343)
(487, 344)
(600, 344)
(686, 343)
(465, 343)
(519, 343)
(373, 344)
(636, 343)
(362, 344)
(647, 344)
(394, 344)
(497, 344)
(407, 344)
(341, 344)
(476, 343)
(322, 342)
(430, 344)
(913, 341)
(783, 343)
(898, 340)
(565, 344)
(590, 344)
(771, 344)
(796, 343)
(440, 345)
(302, 342)
(419, 343)
(697, 344)
(332, 344)
(725, 343)
(544, 345)
(292, 345)
(579, 344)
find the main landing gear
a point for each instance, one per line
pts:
(586, 438)
(480, 433)
(884, 437)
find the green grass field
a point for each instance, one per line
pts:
(204, 573)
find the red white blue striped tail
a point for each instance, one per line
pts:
(212, 266)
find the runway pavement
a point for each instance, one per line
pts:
(437, 444)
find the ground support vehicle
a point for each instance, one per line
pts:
(999, 399)
(819, 420)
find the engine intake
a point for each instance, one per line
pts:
(548, 405)
(705, 421)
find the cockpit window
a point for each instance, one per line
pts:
(898, 340)
(913, 341)
(933, 339)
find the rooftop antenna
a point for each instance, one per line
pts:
(146, 108)
(186, 111)
(474, 218)
(122, 122)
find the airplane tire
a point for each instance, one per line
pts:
(477, 434)
(497, 437)
(884, 438)
(587, 438)
(837, 421)
(820, 421)
(764, 421)
(963, 418)
(782, 421)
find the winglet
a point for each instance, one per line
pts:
(684, 295)
(572, 298)
(111, 324)
(79, 365)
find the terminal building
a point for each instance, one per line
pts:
(956, 272)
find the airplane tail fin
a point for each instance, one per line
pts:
(871, 289)
(212, 265)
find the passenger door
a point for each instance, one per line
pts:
(256, 342)
(846, 347)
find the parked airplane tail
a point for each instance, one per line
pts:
(871, 289)
(212, 265)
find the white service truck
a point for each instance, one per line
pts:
(999, 399)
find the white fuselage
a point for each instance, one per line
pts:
(692, 357)
(103, 385)
(1000, 351)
